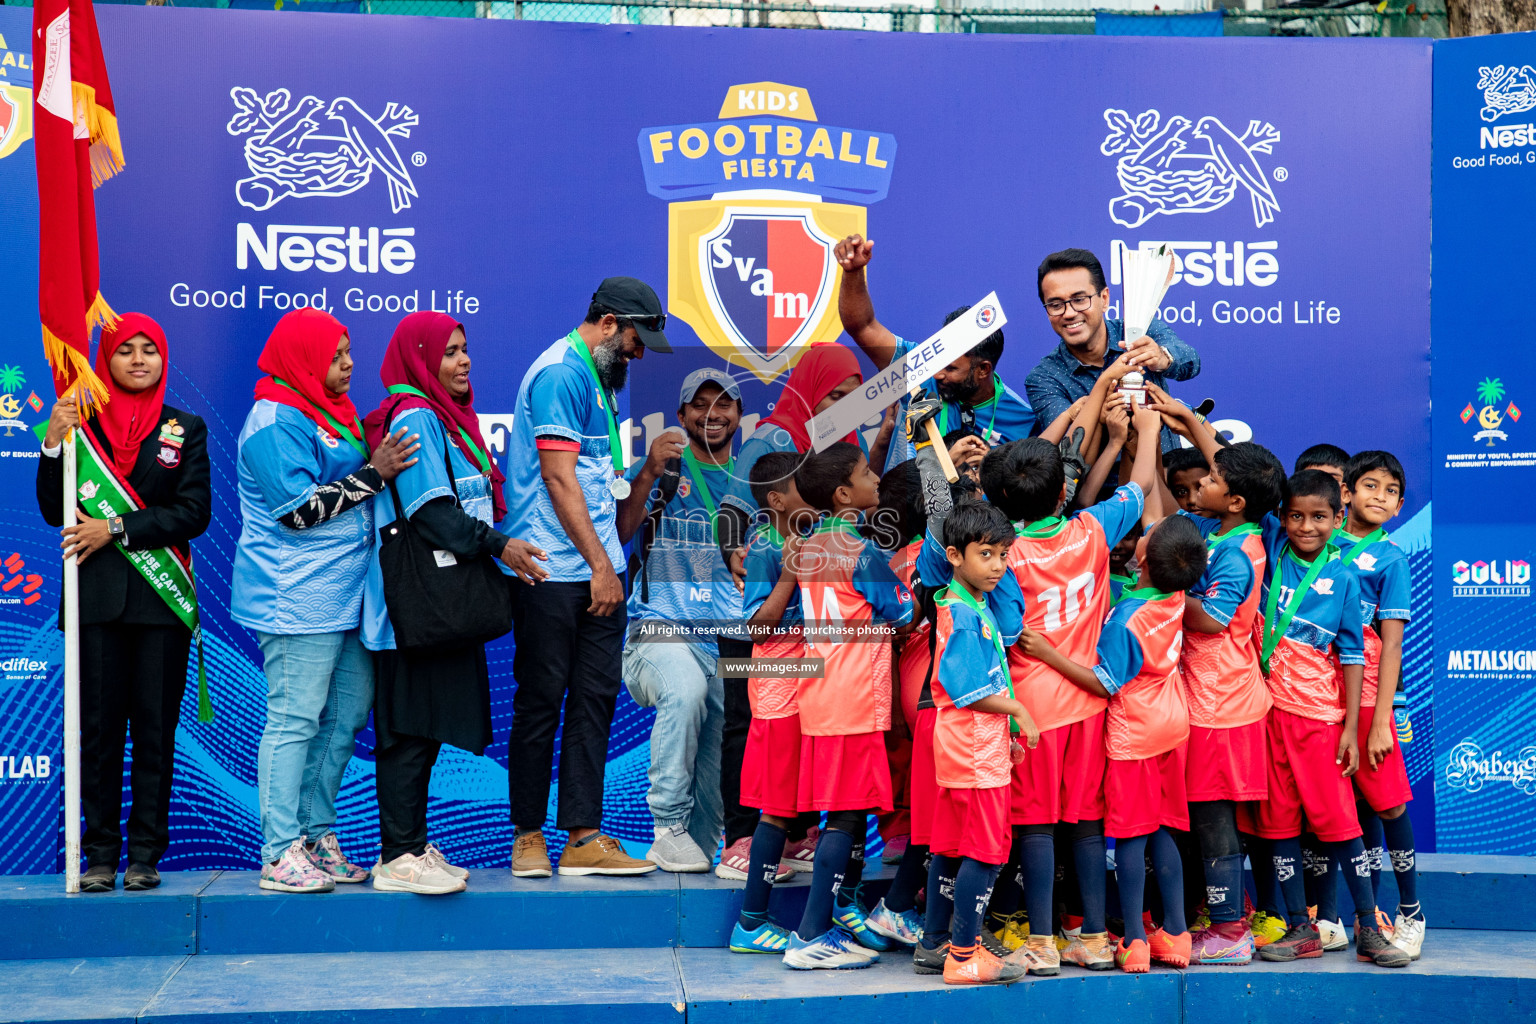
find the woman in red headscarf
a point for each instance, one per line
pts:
(306, 481)
(452, 496)
(147, 463)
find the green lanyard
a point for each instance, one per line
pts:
(574, 340)
(1274, 630)
(1358, 543)
(1237, 532)
(833, 524)
(997, 390)
(353, 439)
(1148, 594)
(1123, 581)
(768, 530)
(480, 456)
(696, 474)
(953, 594)
(1050, 526)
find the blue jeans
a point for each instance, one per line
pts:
(679, 681)
(319, 690)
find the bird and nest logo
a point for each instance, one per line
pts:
(1490, 396)
(312, 148)
(1183, 166)
(757, 199)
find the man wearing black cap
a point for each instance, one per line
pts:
(567, 492)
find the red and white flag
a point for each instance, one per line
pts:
(75, 136)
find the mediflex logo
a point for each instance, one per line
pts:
(1507, 578)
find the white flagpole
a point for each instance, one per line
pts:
(71, 682)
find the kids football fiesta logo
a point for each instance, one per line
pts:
(749, 251)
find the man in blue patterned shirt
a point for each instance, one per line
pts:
(1075, 295)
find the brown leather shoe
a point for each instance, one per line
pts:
(601, 855)
(530, 856)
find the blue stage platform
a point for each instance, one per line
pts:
(212, 947)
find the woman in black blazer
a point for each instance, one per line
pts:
(133, 645)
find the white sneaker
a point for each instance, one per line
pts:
(1408, 934)
(423, 874)
(452, 869)
(1333, 935)
(836, 950)
(675, 850)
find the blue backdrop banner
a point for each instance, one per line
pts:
(499, 170)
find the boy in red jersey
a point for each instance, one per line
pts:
(1062, 566)
(1311, 627)
(1148, 724)
(770, 770)
(853, 605)
(1228, 699)
(1373, 488)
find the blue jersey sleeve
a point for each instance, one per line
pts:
(1350, 639)
(1119, 653)
(1396, 591)
(763, 570)
(932, 566)
(558, 400)
(968, 669)
(887, 595)
(1006, 603)
(1119, 513)
(428, 479)
(281, 458)
(1226, 582)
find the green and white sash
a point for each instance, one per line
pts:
(103, 495)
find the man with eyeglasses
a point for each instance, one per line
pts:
(1073, 290)
(568, 493)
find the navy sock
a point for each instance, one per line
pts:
(1038, 856)
(941, 900)
(767, 848)
(1131, 881)
(1092, 872)
(1399, 836)
(1375, 846)
(1170, 880)
(851, 891)
(1008, 890)
(902, 895)
(1322, 881)
(1355, 862)
(973, 887)
(1224, 887)
(827, 871)
(1286, 861)
(1266, 886)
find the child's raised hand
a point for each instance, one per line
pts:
(1147, 420)
(1348, 754)
(1117, 421)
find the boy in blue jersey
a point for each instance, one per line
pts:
(1311, 626)
(1325, 458)
(1373, 488)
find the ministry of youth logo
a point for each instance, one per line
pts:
(314, 149)
(1506, 90)
(1184, 166)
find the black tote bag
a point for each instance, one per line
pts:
(437, 599)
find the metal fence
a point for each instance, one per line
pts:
(1340, 18)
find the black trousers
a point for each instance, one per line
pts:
(131, 677)
(740, 822)
(565, 656)
(403, 770)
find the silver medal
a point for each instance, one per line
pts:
(619, 488)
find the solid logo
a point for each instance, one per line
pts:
(1507, 578)
(1490, 395)
(1468, 768)
(1184, 166)
(1506, 90)
(311, 149)
(750, 226)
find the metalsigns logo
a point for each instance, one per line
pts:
(290, 156)
(1509, 578)
(1184, 166)
(1506, 90)
(750, 267)
(1491, 394)
(1466, 767)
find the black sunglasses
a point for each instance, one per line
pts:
(652, 323)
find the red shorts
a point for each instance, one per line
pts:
(1062, 779)
(1141, 795)
(1386, 786)
(1304, 778)
(1227, 764)
(925, 788)
(898, 753)
(770, 769)
(844, 773)
(972, 823)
